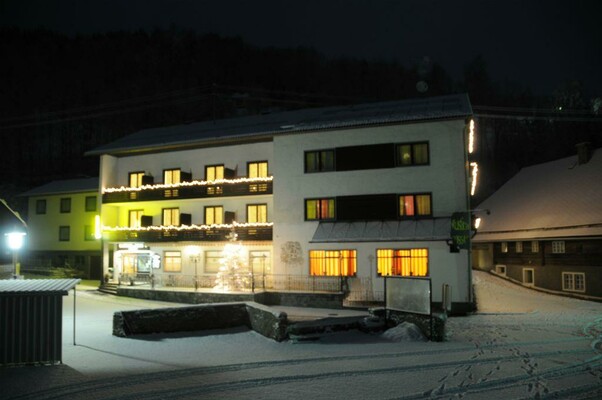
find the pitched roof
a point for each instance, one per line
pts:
(557, 199)
(37, 286)
(64, 186)
(264, 127)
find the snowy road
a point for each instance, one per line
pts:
(521, 344)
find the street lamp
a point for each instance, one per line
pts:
(14, 241)
(194, 253)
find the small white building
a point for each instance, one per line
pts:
(314, 195)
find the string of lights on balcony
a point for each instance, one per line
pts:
(475, 174)
(187, 227)
(188, 184)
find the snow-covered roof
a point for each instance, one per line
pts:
(428, 229)
(264, 127)
(557, 199)
(64, 186)
(37, 286)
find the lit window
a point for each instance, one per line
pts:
(332, 262)
(214, 172)
(171, 217)
(402, 262)
(212, 261)
(534, 246)
(41, 206)
(260, 262)
(171, 176)
(519, 247)
(558, 247)
(412, 154)
(257, 213)
(504, 247)
(90, 203)
(66, 205)
(64, 233)
(135, 218)
(136, 179)
(214, 215)
(172, 261)
(573, 281)
(257, 169)
(319, 209)
(412, 205)
(319, 161)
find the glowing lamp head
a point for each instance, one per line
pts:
(477, 222)
(15, 240)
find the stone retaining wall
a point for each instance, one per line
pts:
(202, 317)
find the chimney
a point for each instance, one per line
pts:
(584, 152)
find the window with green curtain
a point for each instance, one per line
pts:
(318, 209)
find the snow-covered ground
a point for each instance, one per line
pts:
(521, 344)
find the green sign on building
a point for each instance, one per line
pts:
(460, 230)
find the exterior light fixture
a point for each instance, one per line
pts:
(15, 240)
(474, 174)
(471, 135)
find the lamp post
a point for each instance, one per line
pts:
(15, 242)
(194, 257)
(263, 257)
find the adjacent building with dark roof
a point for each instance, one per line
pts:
(545, 226)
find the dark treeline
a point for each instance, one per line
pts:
(63, 95)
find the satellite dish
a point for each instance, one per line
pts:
(422, 86)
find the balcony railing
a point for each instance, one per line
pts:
(189, 190)
(159, 234)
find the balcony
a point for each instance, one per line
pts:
(190, 190)
(194, 233)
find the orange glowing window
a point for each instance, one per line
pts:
(402, 262)
(332, 262)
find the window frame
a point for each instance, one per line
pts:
(138, 222)
(214, 209)
(320, 167)
(319, 200)
(208, 254)
(410, 259)
(64, 233)
(504, 247)
(139, 175)
(558, 247)
(534, 246)
(324, 271)
(89, 234)
(87, 204)
(257, 205)
(41, 210)
(207, 167)
(258, 163)
(573, 281)
(398, 162)
(518, 247)
(415, 205)
(172, 170)
(169, 257)
(65, 205)
(173, 210)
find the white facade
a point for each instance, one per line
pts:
(288, 186)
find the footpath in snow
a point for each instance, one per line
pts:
(520, 344)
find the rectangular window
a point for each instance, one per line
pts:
(135, 218)
(415, 205)
(528, 276)
(573, 281)
(519, 247)
(319, 209)
(504, 247)
(171, 176)
(66, 205)
(41, 206)
(89, 233)
(332, 262)
(534, 246)
(319, 161)
(257, 213)
(214, 215)
(171, 217)
(402, 262)
(257, 169)
(172, 261)
(412, 154)
(558, 247)
(135, 179)
(90, 203)
(212, 261)
(214, 172)
(64, 233)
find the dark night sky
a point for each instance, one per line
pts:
(539, 43)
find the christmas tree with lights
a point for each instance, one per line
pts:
(234, 272)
